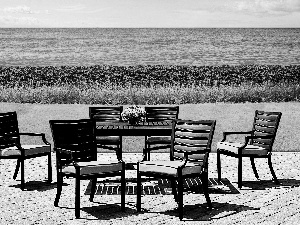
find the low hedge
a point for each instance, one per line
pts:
(148, 76)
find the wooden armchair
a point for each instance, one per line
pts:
(76, 156)
(189, 152)
(160, 114)
(258, 143)
(107, 114)
(11, 147)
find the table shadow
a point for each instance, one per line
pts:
(162, 187)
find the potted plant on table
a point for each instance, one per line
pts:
(134, 114)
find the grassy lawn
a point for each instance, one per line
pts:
(229, 117)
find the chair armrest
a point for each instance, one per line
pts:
(247, 138)
(225, 134)
(184, 161)
(146, 151)
(118, 158)
(144, 156)
(65, 151)
(8, 137)
(186, 155)
(37, 134)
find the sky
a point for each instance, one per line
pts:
(149, 13)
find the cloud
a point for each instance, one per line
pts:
(71, 8)
(273, 7)
(19, 21)
(18, 9)
(23, 10)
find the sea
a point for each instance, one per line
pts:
(149, 46)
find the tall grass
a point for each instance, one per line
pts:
(152, 95)
(149, 84)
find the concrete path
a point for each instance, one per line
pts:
(258, 202)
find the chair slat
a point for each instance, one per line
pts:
(190, 148)
(191, 141)
(192, 134)
(266, 123)
(261, 129)
(194, 127)
(193, 157)
(267, 117)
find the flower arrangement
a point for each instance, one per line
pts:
(133, 114)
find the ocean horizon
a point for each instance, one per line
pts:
(149, 46)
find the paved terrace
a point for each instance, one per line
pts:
(258, 202)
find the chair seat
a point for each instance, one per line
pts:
(170, 167)
(159, 140)
(29, 150)
(94, 167)
(249, 149)
(107, 139)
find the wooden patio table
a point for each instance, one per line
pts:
(125, 129)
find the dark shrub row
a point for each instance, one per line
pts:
(148, 75)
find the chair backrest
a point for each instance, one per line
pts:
(9, 130)
(161, 113)
(265, 123)
(76, 136)
(106, 113)
(192, 137)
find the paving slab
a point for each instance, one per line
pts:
(258, 202)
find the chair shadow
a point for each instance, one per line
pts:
(105, 211)
(267, 184)
(224, 186)
(38, 186)
(200, 212)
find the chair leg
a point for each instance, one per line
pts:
(49, 168)
(204, 180)
(240, 173)
(174, 190)
(138, 192)
(148, 153)
(272, 171)
(219, 165)
(93, 189)
(121, 146)
(119, 149)
(22, 174)
(180, 197)
(254, 168)
(17, 169)
(59, 188)
(77, 197)
(123, 188)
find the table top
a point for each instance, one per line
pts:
(141, 125)
(142, 129)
